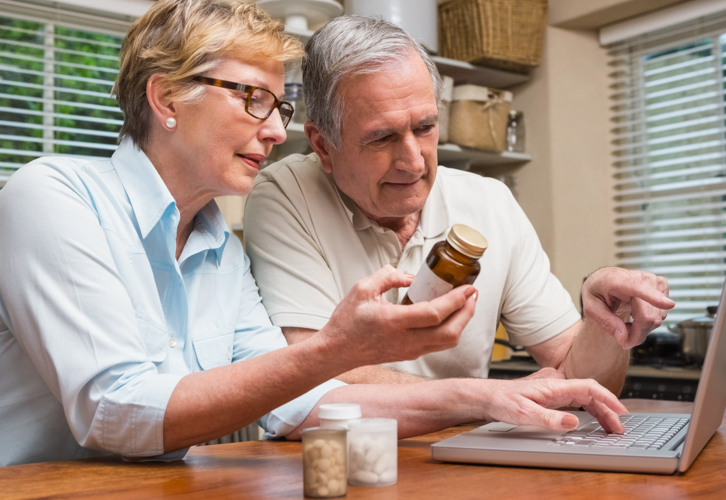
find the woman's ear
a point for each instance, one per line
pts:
(319, 145)
(163, 109)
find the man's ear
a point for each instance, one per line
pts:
(320, 145)
(156, 93)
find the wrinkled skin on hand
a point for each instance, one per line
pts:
(532, 402)
(367, 329)
(612, 296)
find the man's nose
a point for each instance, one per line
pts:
(409, 155)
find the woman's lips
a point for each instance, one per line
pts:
(252, 160)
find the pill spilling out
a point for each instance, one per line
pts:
(324, 462)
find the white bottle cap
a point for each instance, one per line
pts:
(339, 411)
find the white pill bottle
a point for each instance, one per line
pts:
(373, 452)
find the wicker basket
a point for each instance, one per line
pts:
(505, 34)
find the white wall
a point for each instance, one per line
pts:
(566, 190)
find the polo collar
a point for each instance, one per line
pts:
(434, 216)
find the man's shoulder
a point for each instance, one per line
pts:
(295, 168)
(464, 186)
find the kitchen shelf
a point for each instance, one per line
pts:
(477, 158)
(460, 71)
(295, 131)
(463, 72)
(448, 153)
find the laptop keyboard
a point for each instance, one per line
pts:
(641, 432)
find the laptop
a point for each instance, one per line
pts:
(656, 443)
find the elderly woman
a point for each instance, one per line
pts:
(129, 321)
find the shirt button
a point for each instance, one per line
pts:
(394, 262)
(229, 353)
(172, 343)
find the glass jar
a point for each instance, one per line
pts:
(294, 95)
(515, 132)
(451, 263)
(373, 452)
(325, 463)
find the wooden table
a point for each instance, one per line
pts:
(263, 469)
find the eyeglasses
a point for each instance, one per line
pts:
(259, 102)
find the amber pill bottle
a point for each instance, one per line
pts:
(451, 263)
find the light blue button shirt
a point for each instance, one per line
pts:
(99, 321)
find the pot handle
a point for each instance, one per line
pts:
(673, 328)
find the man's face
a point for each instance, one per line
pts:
(387, 162)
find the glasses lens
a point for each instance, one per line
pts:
(286, 111)
(261, 103)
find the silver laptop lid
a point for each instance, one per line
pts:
(710, 403)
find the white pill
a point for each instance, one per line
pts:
(323, 465)
(326, 451)
(323, 491)
(318, 443)
(365, 476)
(382, 464)
(388, 477)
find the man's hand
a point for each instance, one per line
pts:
(530, 402)
(366, 329)
(545, 373)
(612, 296)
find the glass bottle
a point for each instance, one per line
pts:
(451, 263)
(515, 132)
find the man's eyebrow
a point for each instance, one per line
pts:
(383, 132)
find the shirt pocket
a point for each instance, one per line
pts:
(214, 350)
(155, 339)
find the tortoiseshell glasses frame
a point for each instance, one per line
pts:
(259, 102)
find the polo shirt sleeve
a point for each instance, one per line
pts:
(296, 283)
(535, 305)
(68, 307)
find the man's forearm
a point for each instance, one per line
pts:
(365, 374)
(597, 355)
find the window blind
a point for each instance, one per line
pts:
(55, 90)
(669, 139)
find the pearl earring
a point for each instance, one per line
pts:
(171, 122)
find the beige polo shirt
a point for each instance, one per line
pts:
(309, 244)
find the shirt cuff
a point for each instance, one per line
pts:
(166, 457)
(145, 415)
(299, 320)
(289, 416)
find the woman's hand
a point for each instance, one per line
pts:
(366, 329)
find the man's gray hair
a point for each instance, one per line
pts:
(352, 45)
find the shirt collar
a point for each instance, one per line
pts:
(213, 233)
(434, 216)
(150, 200)
(148, 195)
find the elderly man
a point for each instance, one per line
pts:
(372, 195)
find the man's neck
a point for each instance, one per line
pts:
(404, 227)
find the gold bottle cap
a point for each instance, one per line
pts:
(467, 241)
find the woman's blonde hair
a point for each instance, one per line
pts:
(183, 38)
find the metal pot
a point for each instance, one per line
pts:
(694, 335)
